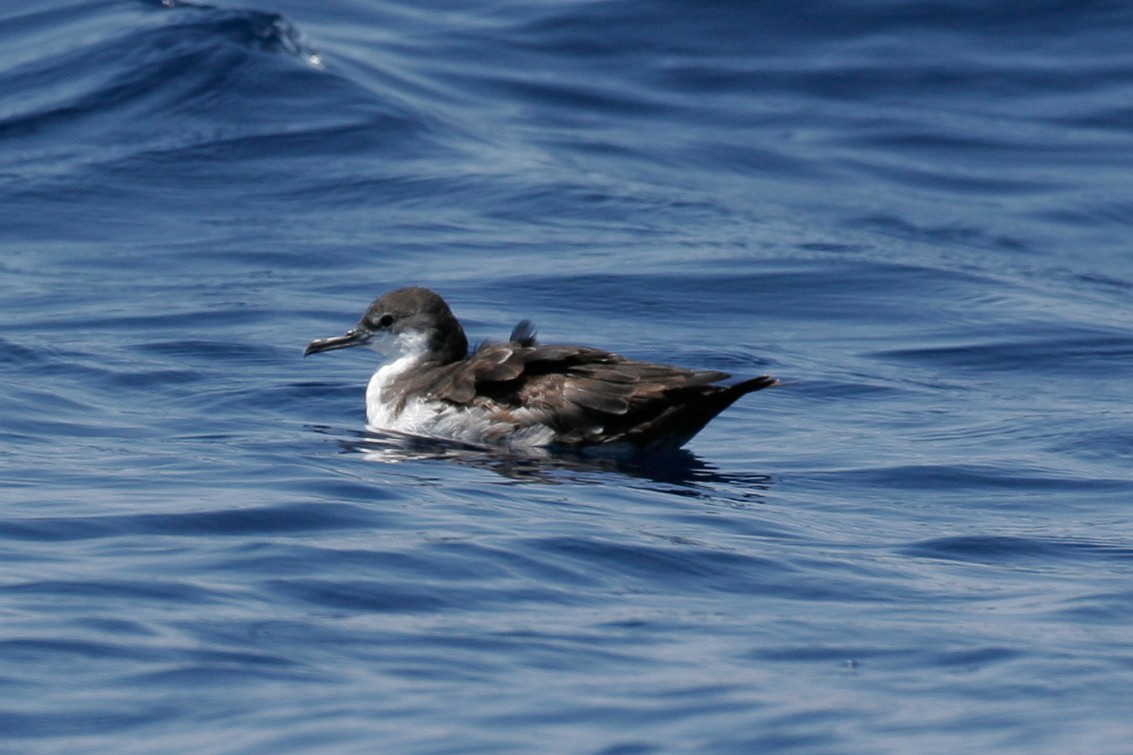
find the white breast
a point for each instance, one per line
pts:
(439, 419)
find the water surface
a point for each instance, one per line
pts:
(917, 215)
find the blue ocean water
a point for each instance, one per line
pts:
(917, 214)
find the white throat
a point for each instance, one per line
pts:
(386, 408)
(406, 351)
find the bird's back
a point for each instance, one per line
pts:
(585, 396)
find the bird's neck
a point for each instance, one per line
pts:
(388, 390)
(410, 350)
(447, 343)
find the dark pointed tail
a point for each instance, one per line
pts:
(676, 427)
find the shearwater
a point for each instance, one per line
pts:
(522, 393)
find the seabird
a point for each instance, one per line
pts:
(522, 393)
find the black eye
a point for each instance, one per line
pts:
(385, 320)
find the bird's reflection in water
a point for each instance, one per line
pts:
(680, 468)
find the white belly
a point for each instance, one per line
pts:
(439, 419)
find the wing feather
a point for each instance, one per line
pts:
(597, 395)
(587, 395)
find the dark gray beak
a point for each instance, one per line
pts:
(355, 337)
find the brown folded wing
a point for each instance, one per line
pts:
(588, 396)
